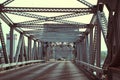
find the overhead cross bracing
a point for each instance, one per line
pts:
(42, 22)
(57, 23)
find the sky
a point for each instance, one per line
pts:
(48, 3)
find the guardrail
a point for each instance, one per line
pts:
(95, 68)
(3, 66)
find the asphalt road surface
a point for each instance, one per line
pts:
(45, 71)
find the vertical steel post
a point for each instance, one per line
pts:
(87, 49)
(19, 47)
(38, 50)
(79, 50)
(84, 50)
(98, 54)
(91, 45)
(33, 51)
(25, 53)
(42, 50)
(29, 48)
(78, 54)
(94, 47)
(21, 56)
(11, 44)
(3, 45)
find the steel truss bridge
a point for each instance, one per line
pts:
(86, 44)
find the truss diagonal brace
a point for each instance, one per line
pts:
(85, 3)
(43, 18)
(103, 23)
(27, 15)
(49, 18)
(59, 21)
(7, 2)
(19, 47)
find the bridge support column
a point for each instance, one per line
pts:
(29, 48)
(11, 45)
(78, 50)
(6, 59)
(98, 52)
(42, 50)
(84, 50)
(39, 52)
(91, 46)
(21, 55)
(20, 42)
(87, 49)
(34, 51)
(25, 53)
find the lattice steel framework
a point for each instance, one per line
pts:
(87, 44)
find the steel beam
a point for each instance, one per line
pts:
(103, 24)
(11, 45)
(6, 59)
(78, 53)
(94, 46)
(42, 32)
(29, 48)
(110, 4)
(19, 48)
(9, 22)
(33, 52)
(39, 52)
(86, 3)
(74, 26)
(36, 51)
(116, 33)
(59, 21)
(91, 45)
(40, 9)
(42, 50)
(24, 49)
(5, 18)
(81, 51)
(87, 49)
(44, 18)
(21, 55)
(98, 52)
(84, 50)
(7, 2)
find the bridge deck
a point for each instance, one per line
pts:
(45, 71)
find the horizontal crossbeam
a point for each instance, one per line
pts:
(49, 18)
(48, 35)
(44, 18)
(74, 26)
(55, 32)
(40, 9)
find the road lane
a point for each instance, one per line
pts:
(20, 73)
(50, 71)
